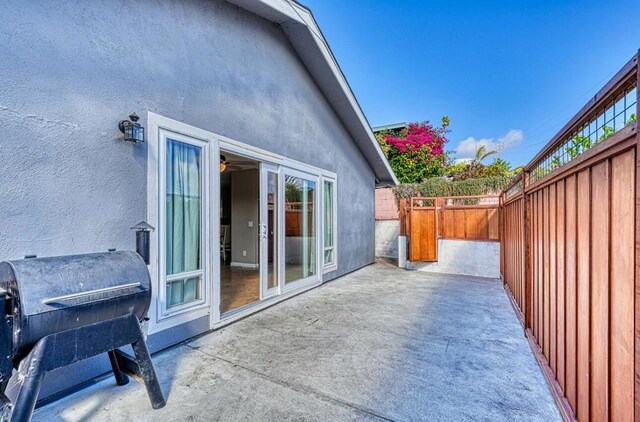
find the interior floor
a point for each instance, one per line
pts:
(239, 287)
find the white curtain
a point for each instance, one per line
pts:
(184, 219)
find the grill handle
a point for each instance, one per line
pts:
(78, 295)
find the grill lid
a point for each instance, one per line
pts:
(45, 284)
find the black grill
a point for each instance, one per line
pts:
(60, 310)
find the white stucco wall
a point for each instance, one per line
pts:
(387, 232)
(466, 257)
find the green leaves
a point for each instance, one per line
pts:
(442, 186)
(608, 131)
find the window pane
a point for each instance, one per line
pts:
(328, 221)
(183, 207)
(272, 239)
(300, 241)
(183, 291)
(328, 256)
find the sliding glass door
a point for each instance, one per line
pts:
(300, 228)
(269, 215)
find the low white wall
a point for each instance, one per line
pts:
(387, 232)
(464, 257)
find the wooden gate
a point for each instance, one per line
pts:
(425, 220)
(423, 235)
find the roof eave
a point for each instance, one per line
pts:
(306, 37)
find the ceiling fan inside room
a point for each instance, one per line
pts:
(235, 163)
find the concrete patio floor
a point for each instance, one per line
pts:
(378, 344)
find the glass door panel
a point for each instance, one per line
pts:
(300, 246)
(269, 230)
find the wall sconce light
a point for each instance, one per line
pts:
(223, 163)
(133, 131)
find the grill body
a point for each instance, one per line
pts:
(55, 294)
(59, 310)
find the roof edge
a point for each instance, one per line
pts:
(289, 13)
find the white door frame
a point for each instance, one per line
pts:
(265, 291)
(213, 143)
(317, 277)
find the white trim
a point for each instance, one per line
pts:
(160, 128)
(244, 265)
(254, 307)
(317, 277)
(212, 145)
(332, 266)
(265, 170)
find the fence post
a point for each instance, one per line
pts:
(403, 216)
(637, 251)
(526, 256)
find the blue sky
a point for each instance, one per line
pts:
(502, 70)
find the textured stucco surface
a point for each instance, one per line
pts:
(379, 344)
(71, 70)
(467, 257)
(387, 232)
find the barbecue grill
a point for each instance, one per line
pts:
(60, 310)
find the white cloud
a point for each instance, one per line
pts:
(468, 147)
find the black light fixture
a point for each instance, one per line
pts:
(133, 131)
(143, 233)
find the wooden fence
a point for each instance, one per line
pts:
(569, 259)
(469, 217)
(425, 220)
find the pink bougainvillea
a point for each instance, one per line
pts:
(417, 136)
(417, 152)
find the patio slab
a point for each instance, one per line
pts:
(378, 344)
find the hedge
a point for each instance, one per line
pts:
(442, 186)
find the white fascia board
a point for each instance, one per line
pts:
(315, 52)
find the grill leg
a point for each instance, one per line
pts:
(121, 377)
(148, 373)
(27, 386)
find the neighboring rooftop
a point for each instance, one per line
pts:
(392, 126)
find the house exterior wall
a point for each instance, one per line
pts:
(387, 232)
(71, 71)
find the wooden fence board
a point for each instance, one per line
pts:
(571, 293)
(540, 262)
(494, 224)
(546, 272)
(560, 282)
(583, 234)
(622, 287)
(600, 291)
(553, 286)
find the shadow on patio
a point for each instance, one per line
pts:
(378, 344)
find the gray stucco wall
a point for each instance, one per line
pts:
(71, 70)
(245, 197)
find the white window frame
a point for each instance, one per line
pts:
(317, 277)
(210, 305)
(331, 266)
(159, 129)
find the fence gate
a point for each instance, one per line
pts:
(423, 233)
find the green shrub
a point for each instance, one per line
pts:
(441, 186)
